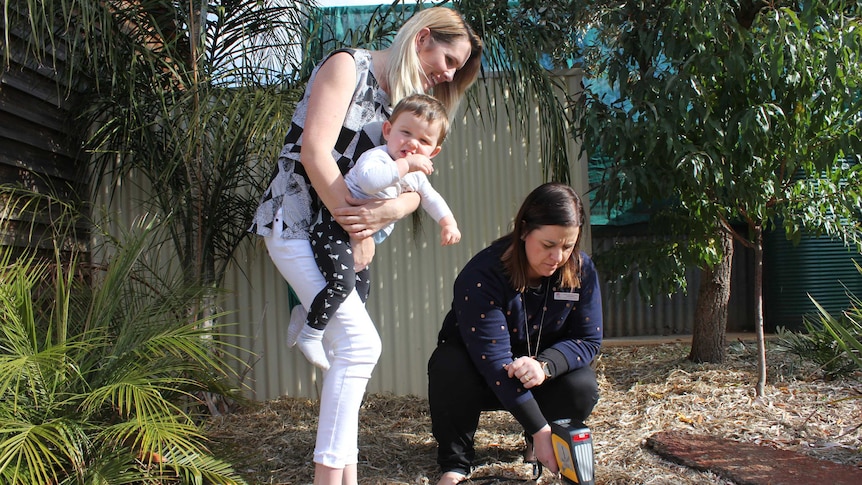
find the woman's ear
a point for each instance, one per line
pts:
(421, 37)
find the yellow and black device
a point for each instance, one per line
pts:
(573, 448)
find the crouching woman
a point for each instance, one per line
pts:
(525, 325)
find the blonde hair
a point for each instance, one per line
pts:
(425, 107)
(404, 73)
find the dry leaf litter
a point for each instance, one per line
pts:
(644, 389)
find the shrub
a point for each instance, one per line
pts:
(833, 342)
(100, 373)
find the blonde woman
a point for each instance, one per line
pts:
(349, 95)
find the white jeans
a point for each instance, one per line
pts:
(353, 346)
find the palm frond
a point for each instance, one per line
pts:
(35, 453)
(848, 332)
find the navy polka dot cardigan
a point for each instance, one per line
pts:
(490, 317)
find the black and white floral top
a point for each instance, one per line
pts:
(290, 189)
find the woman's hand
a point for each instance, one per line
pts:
(363, 217)
(527, 370)
(544, 449)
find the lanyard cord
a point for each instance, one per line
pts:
(541, 321)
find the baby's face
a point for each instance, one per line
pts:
(411, 134)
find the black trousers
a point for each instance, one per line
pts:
(330, 244)
(458, 394)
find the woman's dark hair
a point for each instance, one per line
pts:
(550, 204)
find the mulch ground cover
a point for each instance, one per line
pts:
(645, 390)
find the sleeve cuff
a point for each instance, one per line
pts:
(557, 363)
(529, 416)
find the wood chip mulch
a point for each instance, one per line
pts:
(644, 390)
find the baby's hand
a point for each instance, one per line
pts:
(449, 235)
(363, 252)
(419, 163)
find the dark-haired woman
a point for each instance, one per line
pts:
(525, 324)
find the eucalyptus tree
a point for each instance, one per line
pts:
(728, 119)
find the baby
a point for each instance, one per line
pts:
(414, 134)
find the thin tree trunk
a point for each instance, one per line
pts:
(758, 311)
(708, 342)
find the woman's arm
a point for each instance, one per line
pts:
(328, 102)
(364, 217)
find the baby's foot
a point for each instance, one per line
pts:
(310, 343)
(298, 317)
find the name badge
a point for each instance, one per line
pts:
(564, 295)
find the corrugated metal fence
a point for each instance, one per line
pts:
(630, 316)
